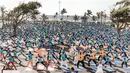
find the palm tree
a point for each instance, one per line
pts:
(89, 13)
(2, 9)
(94, 18)
(105, 17)
(101, 15)
(123, 3)
(84, 18)
(67, 17)
(98, 15)
(34, 14)
(63, 12)
(22, 12)
(56, 15)
(120, 15)
(76, 17)
(44, 18)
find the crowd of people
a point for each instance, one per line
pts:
(62, 43)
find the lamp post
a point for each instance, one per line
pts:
(105, 16)
(59, 9)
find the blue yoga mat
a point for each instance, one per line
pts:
(80, 68)
(110, 69)
(117, 62)
(64, 68)
(92, 63)
(103, 61)
(126, 69)
(94, 67)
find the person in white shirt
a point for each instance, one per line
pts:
(99, 68)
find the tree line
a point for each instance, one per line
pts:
(120, 15)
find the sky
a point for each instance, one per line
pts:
(50, 7)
